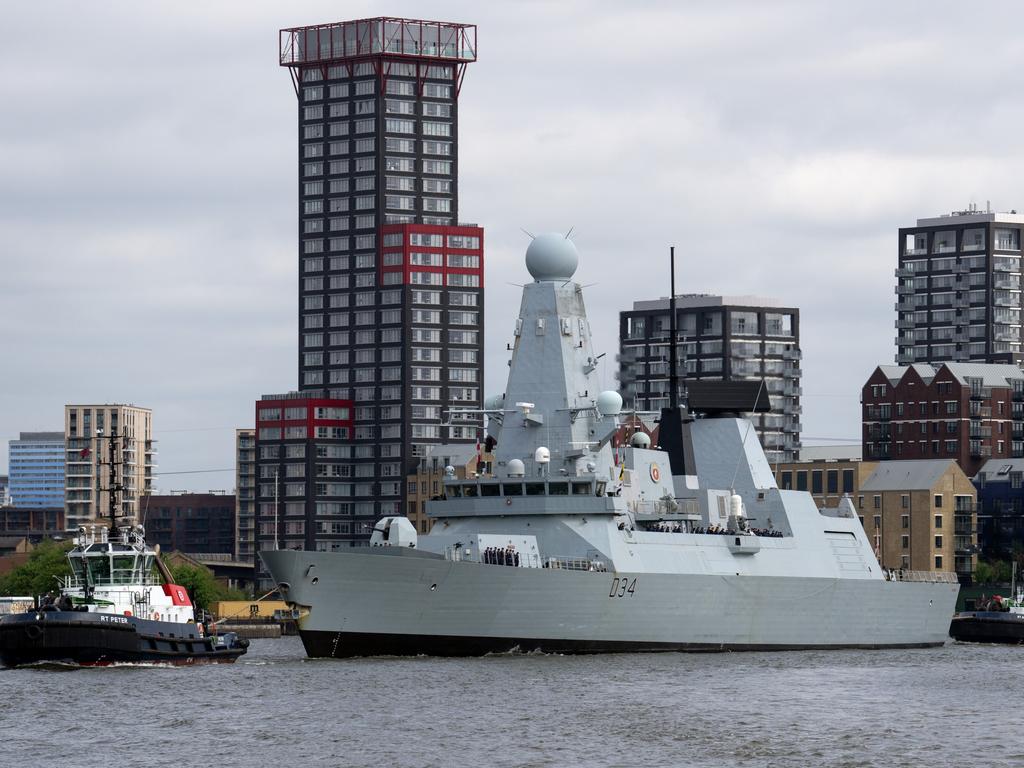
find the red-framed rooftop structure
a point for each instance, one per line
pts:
(346, 42)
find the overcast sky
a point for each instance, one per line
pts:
(148, 182)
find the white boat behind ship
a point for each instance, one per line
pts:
(577, 544)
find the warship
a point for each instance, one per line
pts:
(581, 538)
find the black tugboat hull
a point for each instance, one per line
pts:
(988, 627)
(91, 639)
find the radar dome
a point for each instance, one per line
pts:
(542, 455)
(552, 256)
(609, 403)
(640, 440)
(516, 468)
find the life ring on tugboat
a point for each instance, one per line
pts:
(155, 616)
(33, 632)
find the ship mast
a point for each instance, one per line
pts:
(673, 374)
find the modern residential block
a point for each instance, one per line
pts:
(922, 516)
(245, 494)
(1000, 485)
(36, 467)
(191, 522)
(88, 456)
(958, 289)
(723, 338)
(968, 412)
(391, 284)
(310, 492)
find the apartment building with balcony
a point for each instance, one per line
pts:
(88, 454)
(245, 494)
(724, 338)
(922, 516)
(1000, 485)
(968, 412)
(958, 289)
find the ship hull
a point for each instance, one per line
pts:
(373, 604)
(988, 627)
(91, 639)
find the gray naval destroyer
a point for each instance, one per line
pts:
(581, 542)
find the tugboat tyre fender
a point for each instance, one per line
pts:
(33, 632)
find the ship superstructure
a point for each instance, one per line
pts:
(579, 540)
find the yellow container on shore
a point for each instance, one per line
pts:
(243, 610)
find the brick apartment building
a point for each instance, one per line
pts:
(968, 412)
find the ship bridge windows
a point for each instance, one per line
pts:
(582, 489)
(512, 489)
(558, 489)
(490, 489)
(535, 489)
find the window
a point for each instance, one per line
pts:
(905, 501)
(905, 542)
(877, 502)
(441, 167)
(905, 522)
(938, 562)
(847, 481)
(801, 480)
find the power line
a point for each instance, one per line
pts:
(194, 471)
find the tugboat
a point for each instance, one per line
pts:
(114, 608)
(997, 620)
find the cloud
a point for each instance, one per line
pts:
(148, 188)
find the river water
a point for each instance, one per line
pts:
(957, 705)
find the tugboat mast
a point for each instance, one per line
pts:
(113, 487)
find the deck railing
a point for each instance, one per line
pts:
(933, 577)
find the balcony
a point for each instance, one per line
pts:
(961, 269)
(942, 248)
(904, 272)
(904, 290)
(981, 393)
(915, 252)
(904, 359)
(1005, 266)
(792, 354)
(905, 324)
(978, 431)
(979, 451)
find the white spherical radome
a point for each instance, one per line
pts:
(609, 403)
(552, 256)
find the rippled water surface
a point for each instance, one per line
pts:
(958, 705)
